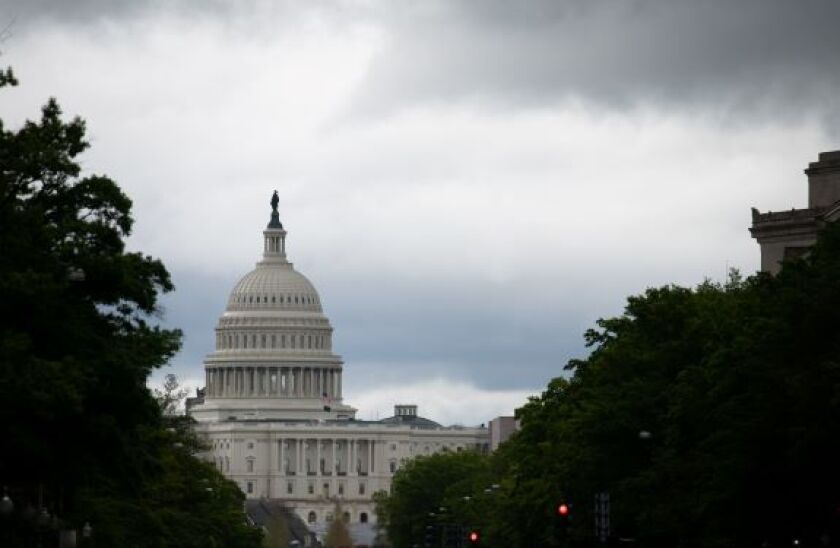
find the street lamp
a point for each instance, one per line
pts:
(6, 504)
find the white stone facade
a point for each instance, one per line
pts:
(272, 407)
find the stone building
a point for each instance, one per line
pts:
(787, 234)
(272, 408)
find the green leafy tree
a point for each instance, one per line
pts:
(428, 497)
(83, 436)
(709, 415)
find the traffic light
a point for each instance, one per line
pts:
(563, 515)
(474, 538)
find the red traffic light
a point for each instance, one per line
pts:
(473, 537)
(563, 509)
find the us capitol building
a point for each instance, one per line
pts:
(272, 407)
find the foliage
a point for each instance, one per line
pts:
(278, 535)
(428, 497)
(83, 434)
(710, 415)
(170, 395)
(337, 534)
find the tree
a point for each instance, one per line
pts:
(337, 534)
(84, 437)
(278, 532)
(427, 497)
(709, 414)
(170, 395)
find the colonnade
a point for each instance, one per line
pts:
(265, 382)
(341, 456)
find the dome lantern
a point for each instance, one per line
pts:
(274, 247)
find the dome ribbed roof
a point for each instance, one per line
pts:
(274, 286)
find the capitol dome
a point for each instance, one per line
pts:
(273, 352)
(274, 286)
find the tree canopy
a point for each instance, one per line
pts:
(709, 415)
(84, 438)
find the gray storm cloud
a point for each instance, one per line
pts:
(739, 57)
(505, 173)
(747, 56)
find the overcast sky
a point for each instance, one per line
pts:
(469, 185)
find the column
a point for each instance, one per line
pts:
(317, 457)
(338, 379)
(298, 457)
(372, 458)
(282, 465)
(354, 449)
(334, 467)
(299, 383)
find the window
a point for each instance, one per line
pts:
(273, 299)
(392, 466)
(310, 488)
(263, 341)
(311, 518)
(340, 488)
(273, 341)
(290, 488)
(361, 488)
(254, 341)
(250, 487)
(250, 465)
(393, 447)
(250, 445)
(326, 489)
(363, 517)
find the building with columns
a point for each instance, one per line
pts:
(787, 234)
(272, 408)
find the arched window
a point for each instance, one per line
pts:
(273, 299)
(363, 517)
(311, 518)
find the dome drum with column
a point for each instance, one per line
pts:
(273, 356)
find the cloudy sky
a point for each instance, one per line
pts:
(470, 185)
